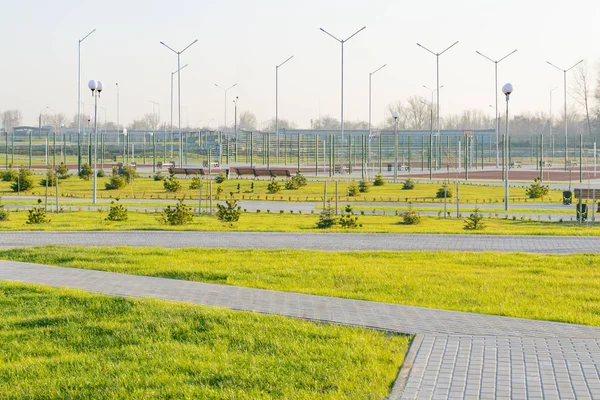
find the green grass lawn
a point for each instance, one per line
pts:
(286, 222)
(147, 188)
(68, 344)
(547, 287)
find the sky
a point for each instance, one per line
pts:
(242, 42)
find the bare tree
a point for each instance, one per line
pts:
(247, 121)
(56, 120)
(582, 92)
(269, 126)
(11, 119)
(326, 122)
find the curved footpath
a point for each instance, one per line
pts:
(305, 241)
(454, 354)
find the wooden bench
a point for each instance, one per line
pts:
(573, 163)
(244, 171)
(186, 171)
(280, 172)
(515, 164)
(256, 172)
(213, 164)
(546, 163)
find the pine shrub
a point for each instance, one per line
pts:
(378, 181)
(178, 215)
(116, 212)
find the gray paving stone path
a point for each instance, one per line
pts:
(454, 354)
(309, 241)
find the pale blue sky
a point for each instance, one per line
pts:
(242, 41)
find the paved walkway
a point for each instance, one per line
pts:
(306, 241)
(454, 355)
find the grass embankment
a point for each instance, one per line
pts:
(58, 343)
(547, 287)
(286, 222)
(147, 188)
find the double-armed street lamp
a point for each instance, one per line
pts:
(507, 89)
(564, 71)
(172, 75)
(395, 114)
(179, 94)
(277, 104)
(370, 107)
(96, 88)
(79, 94)
(342, 41)
(496, 96)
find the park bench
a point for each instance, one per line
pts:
(572, 163)
(213, 164)
(280, 172)
(515, 164)
(186, 171)
(273, 173)
(546, 163)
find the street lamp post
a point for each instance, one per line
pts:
(507, 89)
(179, 94)
(79, 94)
(370, 125)
(564, 71)
(235, 101)
(225, 103)
(40, 133)
(432, 91)
(496, 96)
(96, 88)
(437, 58)
(342, 94)
(277, 104)
(395, 115)
(172, 75)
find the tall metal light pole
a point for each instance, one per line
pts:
(225, 103)
(564, 71)
(96, 88)
(437, 59)
(117, 85)
(179, 94)
(395, 114)
(40, 133)
(496, 97)
(432, 91)
(155, 120)
(277, 104)
(370, 128)
(507, 89)
(342, 96)
(79, 96)
(235, 103)
(172, 75)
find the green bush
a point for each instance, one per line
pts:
(3, 213)
(221, 178)
(348, 220)
(101, 173)
(475, 221)
(230, 212)
(9, 175)
(353, 189)
(63, 171)
(23, 182)
(115, 182)
(158, 177)
(50, 177)
(116, 212)
(327, 218)
(378, 181)
(178, 215)
(363, 186)
(196, 182)
(128, 172)
(273, 187)
(409, 184)
(37, 215)
(296, 182)
(536, 190)
(86, 172)
(440, 192)
(172, 184)
(411, 217)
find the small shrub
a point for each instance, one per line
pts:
(172, 184)
(37, 215)
(327, 218)
(411, 217)
(221, 178)
(408, 184)
(230, 212)
(3, 213)
(440, 192)
(116, 212)
(178, 215)
(63, 171)
(101, 173)
(195, 183)
(23, 182)
(348, 220)
(115, 182)
(158, 177)
(219, 190)
(353, 189)
(378, 181)
(86, 172)
(536, 190)
(9, 175)
(296, 182)
(475, 221)
(128, 172)
(50, 178)
(363, 186)
(273, 187)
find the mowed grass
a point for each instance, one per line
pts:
(546, 287)
(67, 344)
(148, 188)
(287, 222)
